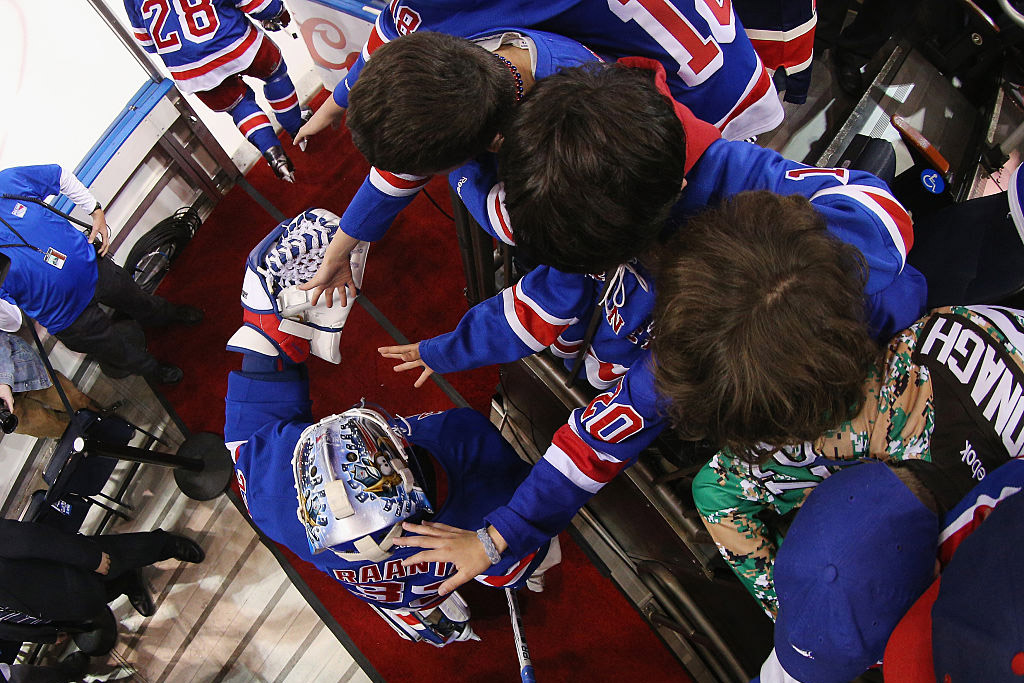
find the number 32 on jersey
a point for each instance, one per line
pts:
(699, 56)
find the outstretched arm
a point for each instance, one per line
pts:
(330, 114)
(599, 441)
(335, 273)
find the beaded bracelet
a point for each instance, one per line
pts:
(492, 551)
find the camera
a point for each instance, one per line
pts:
(8, 420)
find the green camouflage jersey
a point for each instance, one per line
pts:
(960, 365)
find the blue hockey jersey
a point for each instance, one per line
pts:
(383, 194)
(202, 42)
(549, 308)
(714, 68)
(265, 415)
(54, 279)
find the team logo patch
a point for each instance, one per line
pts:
(55, 258)
(19, 210)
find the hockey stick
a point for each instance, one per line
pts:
(525, 665)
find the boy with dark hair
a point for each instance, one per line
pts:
(602, 214)
(587, 194)
(857, 206)
(446, 110)
(710, 63)
(736, 277)
(608, 435)
(419, 80)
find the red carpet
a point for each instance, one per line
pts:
(580, 628)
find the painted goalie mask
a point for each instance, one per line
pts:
(355, 486)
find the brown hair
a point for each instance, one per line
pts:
(427, 102)
(760, 332)
(592, 163)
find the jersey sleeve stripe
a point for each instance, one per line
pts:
(879, 202)
(142, 37)
(582, 465)
(898, 214)
(534, 326)
(376, 39)
(760, 84)
(498, 216)
(602, 374)
(793, 55)
(253, 6)
(566, 349)
(514, 573)
(220, 58)
(953, 535)
(395, 184)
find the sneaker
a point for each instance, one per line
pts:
(167, 374)
(280, 163)
(135, 590)
(185, 549)
(188, 315)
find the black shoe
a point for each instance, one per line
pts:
(134, 588)
(167, 374)
(280, 163)
(185, 549)
(74, 665)
(188, 315)
(850, 79)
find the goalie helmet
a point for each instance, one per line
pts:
(289, 256)
(354, 484)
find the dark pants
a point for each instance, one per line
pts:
(129, 552)
(875, 23)
(23, 673)
(92, 331)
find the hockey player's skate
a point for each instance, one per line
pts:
(280, 163)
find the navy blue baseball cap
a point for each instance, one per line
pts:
(978, 616)
(861, 550)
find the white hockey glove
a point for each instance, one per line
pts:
(277, 316)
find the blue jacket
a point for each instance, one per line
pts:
(53, 271)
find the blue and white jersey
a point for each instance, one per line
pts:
(858, 208)
(56, 280)
(265, 415)
(202, 42)
(551, 309)
(383, 194)
(607, 436)
(712, 66)
(597, 443)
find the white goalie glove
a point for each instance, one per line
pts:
(278, 317)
